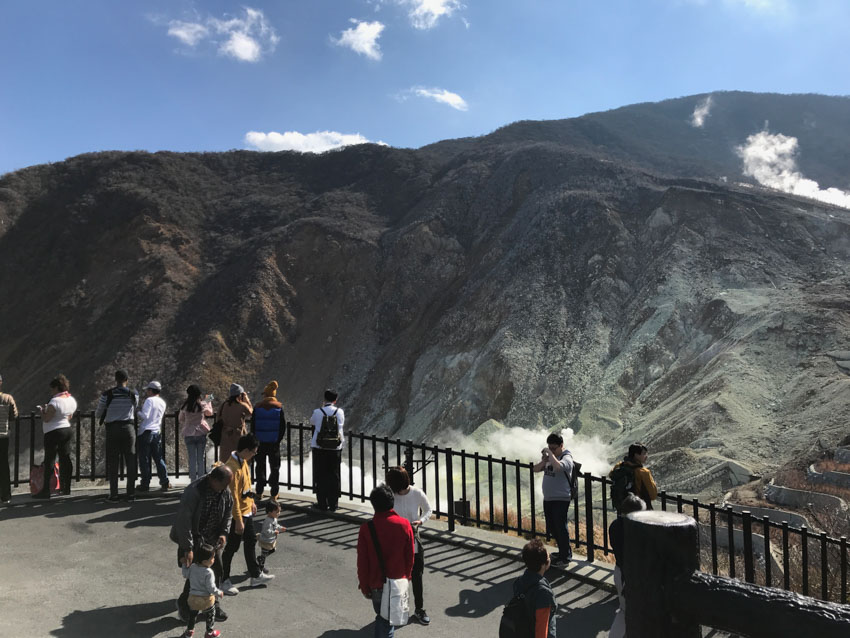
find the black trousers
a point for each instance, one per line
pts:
(248, 538)
(121, 442)
(270, 451)
(416, 577)
(183, 599)
(58, 442)
(5, 482)
(326, 476)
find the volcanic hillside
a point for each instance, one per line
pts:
(608, 273)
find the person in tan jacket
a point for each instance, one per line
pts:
(233, 415)
(242, 528)
(8, 414)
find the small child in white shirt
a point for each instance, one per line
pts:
(268, 533)
(202, 591)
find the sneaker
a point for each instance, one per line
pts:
(5, 501)
(182, 610)
(143, 488)
(422, 617)
(220, 614)
(262, 579)
(265, 570)
(165, 488)
(561, 562)
(215, 633)
(113, 498)
(228, 588)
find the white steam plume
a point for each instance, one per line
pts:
(701, 113)
(769, 159)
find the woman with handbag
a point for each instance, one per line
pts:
(56, 424)
(412, 503)
(233, 414)
(194, 429)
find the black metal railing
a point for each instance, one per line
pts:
(500, 494)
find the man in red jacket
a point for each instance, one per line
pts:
(395, 537)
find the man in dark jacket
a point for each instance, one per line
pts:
(395, 538)
(268, 424)
(203, 517)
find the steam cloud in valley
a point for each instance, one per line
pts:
(770, 160)
(701, 113)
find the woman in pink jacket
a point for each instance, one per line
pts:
(194, 429)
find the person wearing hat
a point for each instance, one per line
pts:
(8, 414)
(268, 423)
(233, 414)
(149, 439)
(117, 409)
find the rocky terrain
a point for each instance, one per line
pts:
(615, 273)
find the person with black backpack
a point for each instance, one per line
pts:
(326, 451)
(631, 476)
(117, 409)
(558, 467)
(531, 611)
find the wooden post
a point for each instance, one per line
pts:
(659, 547)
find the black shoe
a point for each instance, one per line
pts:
(131, 498)
(561, 562)
(112, 498)
(422, 617)
(165, 488)
(41, 496)
(316, 506)
(66, 492)
(143, 488)
(220, 614)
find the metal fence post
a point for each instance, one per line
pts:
(588, 518)
(450, 490)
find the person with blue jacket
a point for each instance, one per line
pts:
(268, 424)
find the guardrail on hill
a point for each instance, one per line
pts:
(500, 494)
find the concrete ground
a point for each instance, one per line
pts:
(79, 566)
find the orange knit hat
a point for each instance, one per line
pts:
(271, 389)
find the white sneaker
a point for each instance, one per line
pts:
(228, 588)
(262, 579)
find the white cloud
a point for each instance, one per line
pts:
(424, 14)
(246, 38)
(701, 112)
(362, 38)
(189, 33)
(443, 96)
(317, 142)
(770, 160)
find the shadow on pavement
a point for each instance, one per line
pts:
(148, 511)
(143, 620)
(368, 630)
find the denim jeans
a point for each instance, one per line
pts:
(196, 448)
(556, 524)
(149, 445)
(121, 442)
(383, 628)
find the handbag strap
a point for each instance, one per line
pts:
(380, 555)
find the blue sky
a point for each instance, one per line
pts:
(206, 76)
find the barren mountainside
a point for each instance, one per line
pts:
(594, 273)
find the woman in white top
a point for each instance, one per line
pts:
(56, 423)
(194, 428)
(412, 503)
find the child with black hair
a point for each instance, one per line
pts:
(202, 591)
(269, 533)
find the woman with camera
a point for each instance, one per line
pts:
(56, 424)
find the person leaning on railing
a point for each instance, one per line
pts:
(8, 413)
(56, 424)
(233, 414)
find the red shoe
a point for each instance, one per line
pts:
(215, 633)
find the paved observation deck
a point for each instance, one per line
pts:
(79, 566)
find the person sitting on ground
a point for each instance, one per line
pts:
(8, 414)
(537, 591)
(631, 475)
(242, 529)
(56, 423)
(268, 423)
(269, 533)
(203, 592)
(149, 439)
(412, 503)
(631, 503)
(233, 414)
(394, 536)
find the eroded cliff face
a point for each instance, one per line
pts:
(529, 283)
